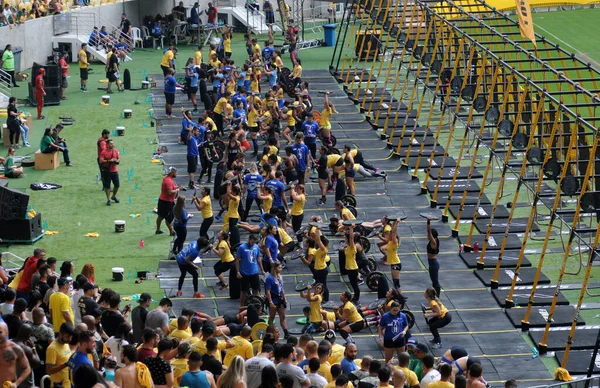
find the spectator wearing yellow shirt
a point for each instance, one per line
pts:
(180, 362)
(242, 347)
(198, 56)
(181, 333)
(384, 377)
(60, 304)
(57, 355)
(227, 41)
(209, 331)
(323, 353)
(445, 373)
(173, 324)
(411, 377)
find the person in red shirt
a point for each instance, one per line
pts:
(40, 92)
(211, 12)
(109, 158)
(29, 268)
(101, 144)
(62, 62)
(166, 201)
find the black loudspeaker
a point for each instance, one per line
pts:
(13, 203)
(23, 230)
(53, 77)
(126, 79)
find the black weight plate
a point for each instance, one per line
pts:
(519, 141)
(588, 202)
(352, 210)
(402, 37)
(418, 52)
(303, 284)
(295, 255)
(333, 151)
(378, 303)
(316, 224)
(569, 185)
(426, 59)
(373, 280)
(479, 104)
(394, 32)
(395, 217)
(372, 264)
(552, 169)
(534, 155)
(256, 300)
(434, 216)
(351, 222)
(348, 200)
(366, 244)
(381, 16)
(387, 24)
(436, 66)
(410, 44)
(457, 83)
(445, 76)
(468, 93)
(505, 127)
(289, 185)
(492, 115)
(410, 317)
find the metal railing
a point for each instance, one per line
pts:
(588, 382)
(5, 87)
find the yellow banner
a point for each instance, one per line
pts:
(525, 20)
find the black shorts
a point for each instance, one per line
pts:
(290, 246)
(301, 174)
(250, 281)
(170, 97)
(350, 173)
(357, 326)
(192, 164)
(253, 129)
(322, 172)
(164, 69)
(230, 318)
(83, 74)
(396, 267)
(108, 177)
(192, 91)
(340, 162)
(221, 267)
(270, 17)
(165, 210)
(227, 55)
(111, 76)
(266, 266)
(390, 344)
(235, 329)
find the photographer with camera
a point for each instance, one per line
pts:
(109, 159)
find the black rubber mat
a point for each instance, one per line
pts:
(509, 259)
(584, 338)
(448, 173)
(416, 141)
(414, 151)
(459, 185)
(483, 212)
(543, 297)
(505, 276)
(518, 225)
(457, 198)
(578, 363)
(563, 316)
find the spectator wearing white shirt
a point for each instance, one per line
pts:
(315, 379)
(429, 373)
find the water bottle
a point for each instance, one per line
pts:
(142, 244)
(130, 275)
(476, 247)
(462, 248)
(97, 178)
(516, 302)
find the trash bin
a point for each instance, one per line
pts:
(17, 53)
(329, 34)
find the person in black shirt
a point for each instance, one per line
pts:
(13, 321)
(179, 12)
(112, 71)
(42, 283)
(160, 369)
(138, 317)
(209, 362)
(87, 303)
(112, 318)
(125, 28)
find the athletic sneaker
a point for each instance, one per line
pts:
(219, 218)
(108, 203)
(220, 283)
(438, 345)
(361, 282)
(328, 304)
(199, 295)
(115, 199)
(179, 293)
(224, 287)
(321, 203)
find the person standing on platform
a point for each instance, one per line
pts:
(437, 318)
(204, 205)
(83, 67)
(392, 255)
(40, 92)
(181, 218)
(170, 90)
(166, 201)
(185, 260)
(246, 266)
(433, 249)
(110, 159)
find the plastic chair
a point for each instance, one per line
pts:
(136, 36)
(146, 35)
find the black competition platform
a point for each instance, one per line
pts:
(584, 338)
(424, 162)
(472, 199)
(543, 296)
(506, 275)
(459, 185)
(517, 225)
(513, 242)
(483, 211)
(538, 316)
(449, 173)
(578, 362)
(490, 259)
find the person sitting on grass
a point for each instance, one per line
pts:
(10, 170)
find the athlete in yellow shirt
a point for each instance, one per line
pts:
(350, 320)
(204, 205)
(227, 260)
(438, 317)
(83, 66)
(233, 193)
(198, 56)
(166, 61)
(315, 319)
(325, 124)
(392, 255)
(298, 201)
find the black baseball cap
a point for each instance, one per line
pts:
(144, 297)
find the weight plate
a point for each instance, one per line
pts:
(399, 216)
(479, 104)
(569, 185)
(316, 224)
(505, 127)
(348, 200)
(519, 141)
(410, 44)
(342, 245)
(387, 24)
(298, 253)
(552, 169)
(258, 331)
(402, 37)
(378, 303)
(366, 244)
(394, 32)
(436, 66)
(426, 59)
(352, 210)
(256, 347)
(289, 185)
(331, 150)
(432, 215)
(492, 115)
(351, 222)
(588, 202)
(373, 280)
(410, 317)
(302, 285)
(534, 155)
(456, 84)
(255, 300)
(418, 52)
(372, 264)
(468, 93)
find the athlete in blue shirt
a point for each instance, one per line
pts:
(185, 261)
(310, 129)
(246, 266)
(271, 249)
(393, 326)
(192, 155)
(278, 189)
(170, 89)
(276, 296)
(251, 183)
(302, 154)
